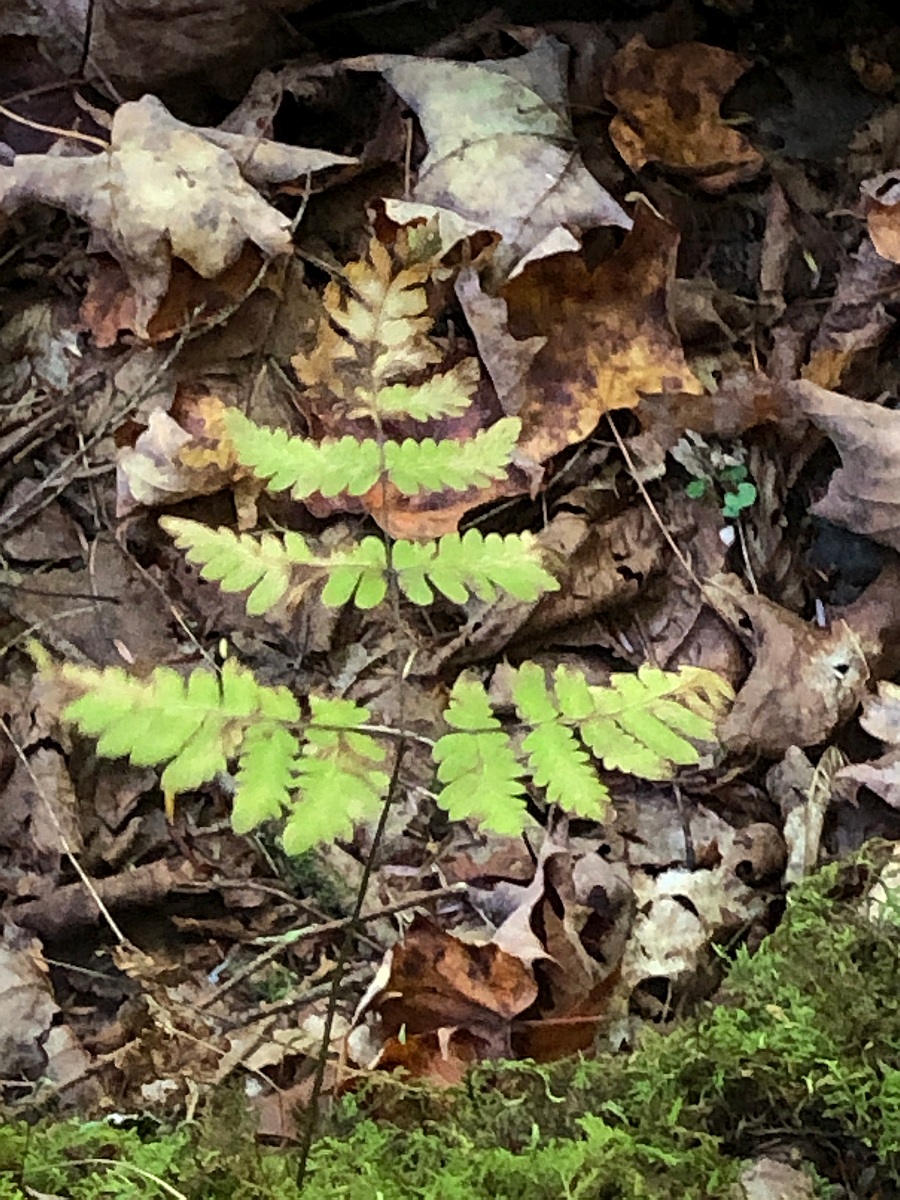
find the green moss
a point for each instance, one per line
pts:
(802, 1049)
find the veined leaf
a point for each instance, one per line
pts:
(275, 566)
(332, 467)
(477, 765)
(646, 724)
(263, 564)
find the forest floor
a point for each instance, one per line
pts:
(638, 732)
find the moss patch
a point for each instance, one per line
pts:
(802, 1051)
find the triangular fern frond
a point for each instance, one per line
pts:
(346, 465)
(456, 565)
(478, 767)
(195, 724)
(339, 774)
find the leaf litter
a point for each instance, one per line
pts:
(681, 301)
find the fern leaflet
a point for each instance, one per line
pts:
(642, 723)
(339, 775)
(456, 565)
(195, 724)
(556, 760)
(477, 764)
(447, 395)
(267, 776)
(332, 467)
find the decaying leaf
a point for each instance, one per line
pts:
(609, 340)
(501, 152)
(668, 102)
(174, 459)
(433, 983)
(881, 718)
(167, 190)
(804, 792)
(804, 682)
(881, 197)
(864, 493)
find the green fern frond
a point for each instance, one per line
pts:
(446, 395)
(266, 777)
(558, 763)
(456, 565)
(278, 566)
(646, 724)
(339, 775)
(477, 764)
(275, 566)
(346, 465)
(195, 724)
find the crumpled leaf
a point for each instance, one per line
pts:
(179, 456)
(864, 493)
(165, 190)
(609, 340)
(881, 718)
(881, 199)
(804, 682)
(668, 102)
(501, 151)
(680, 914)
(432, 983)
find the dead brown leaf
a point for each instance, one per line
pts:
(433, 981)
(668, 102)
(609, 340)
(183, 454)
(881, 718)
(502, 155)
(804, 681)
(864, 493)
(166, 190)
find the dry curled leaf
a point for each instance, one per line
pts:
(668, 102)
(165, 190)
(502, 154)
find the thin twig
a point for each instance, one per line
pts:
(42, 128)
(654, 511)
(292, 936)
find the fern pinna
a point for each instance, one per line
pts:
(320, 767)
